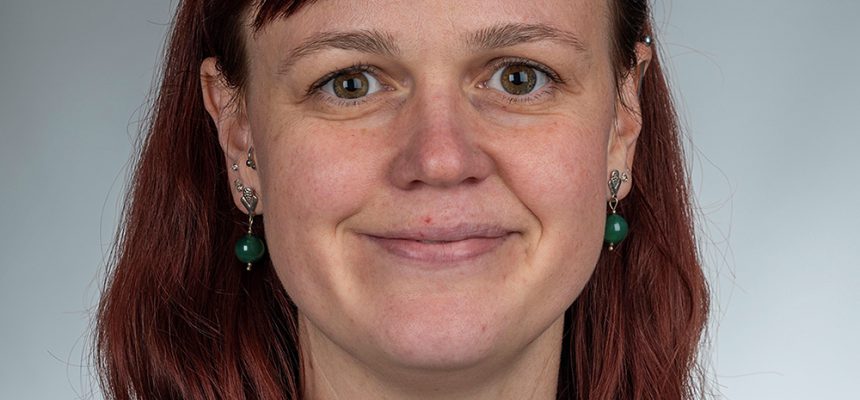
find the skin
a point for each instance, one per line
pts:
(439, 145)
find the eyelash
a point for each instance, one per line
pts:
(554, 79)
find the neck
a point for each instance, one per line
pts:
(331, 373)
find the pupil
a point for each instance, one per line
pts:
(518, 78)
(352, 85)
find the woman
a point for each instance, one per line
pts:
(444, 187)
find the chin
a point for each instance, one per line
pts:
(443, 332)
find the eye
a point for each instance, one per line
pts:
(517, 79)
(351, 84)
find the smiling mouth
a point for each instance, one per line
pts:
(442, 246)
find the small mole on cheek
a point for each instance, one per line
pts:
(428, 220)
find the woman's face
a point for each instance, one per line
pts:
(432, 174)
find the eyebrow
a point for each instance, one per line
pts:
(379, 43)
(506, 35)
(366, 41)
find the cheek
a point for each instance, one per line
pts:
(315, 174)
(560, 171)
(312, 179)
(559, 178)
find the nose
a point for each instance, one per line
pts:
(443, 148)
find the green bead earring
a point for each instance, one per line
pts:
(249, 248)
(616, 226)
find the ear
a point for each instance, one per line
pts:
(628, 118)
(227, 109)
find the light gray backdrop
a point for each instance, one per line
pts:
(767, 89)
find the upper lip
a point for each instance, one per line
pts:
(445, 233)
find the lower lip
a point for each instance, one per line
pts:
(440, 253)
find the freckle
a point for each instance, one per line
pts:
(428, 220)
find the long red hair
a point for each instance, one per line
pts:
(180, 319)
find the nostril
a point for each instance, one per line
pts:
(471, 180)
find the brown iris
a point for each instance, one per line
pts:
(351, 85)
(518, 79)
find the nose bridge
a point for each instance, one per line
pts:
(441, 149)
(439, 115)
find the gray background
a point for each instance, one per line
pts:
(768, 92)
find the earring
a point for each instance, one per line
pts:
(249, 248)
(616, 226)
(234, 167)
(250, 161)
(647, 40)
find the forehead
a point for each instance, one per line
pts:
(447, 22)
